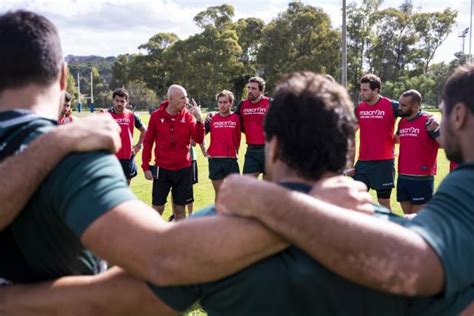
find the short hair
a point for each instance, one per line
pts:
(260, 81)
(225, 93)
(415, 95)
(67, 97)
(121, 92)
(459, 88)
(30, 50)
(314, 122)
(373, 81)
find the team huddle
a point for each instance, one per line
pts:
(306, 241)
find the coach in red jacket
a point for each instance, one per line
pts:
(170, 129)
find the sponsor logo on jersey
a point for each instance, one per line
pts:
(223, 124)
(409, 131)
(123, 121)
(378, 114)
(254, 111)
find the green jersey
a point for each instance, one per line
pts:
(292, 283)
(79, 190)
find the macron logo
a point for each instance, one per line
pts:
(224, 124)
(254, 111)
(123, 121)
(372, 114)
(409, 131)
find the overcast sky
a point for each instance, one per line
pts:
(110, 28)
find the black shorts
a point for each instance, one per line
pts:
(219, 168)
(129, 167)
(254, 159)
(376, 174)
(416, 191)
(180, 182)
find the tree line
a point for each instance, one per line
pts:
(398, 44)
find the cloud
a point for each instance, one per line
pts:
(110, 28)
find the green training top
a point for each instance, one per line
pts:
(292, 283)
(80, 189)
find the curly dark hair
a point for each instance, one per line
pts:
(121, 92)
(314, 122)
(30, 50)
(373, 81)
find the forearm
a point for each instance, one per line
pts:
(191, 251)
(142, 137)
(371, 252)
(111, 293)
(26, 171)
(207, 249)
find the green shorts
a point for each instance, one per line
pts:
(254, 159)
(219, 168)
(376, 174)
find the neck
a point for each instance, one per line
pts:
(44, 101)
(374, 100)
(171, 110)
(284, 174)
(414, 114)
(224, 114)
(257, 99)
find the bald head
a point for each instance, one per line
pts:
(177, 97)
(174, 89)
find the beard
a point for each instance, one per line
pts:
(404, 114)
(452, 148)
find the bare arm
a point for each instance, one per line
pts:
(28, 169)
(110, 293)
(133, 236)
(138, 145)
(371, 252)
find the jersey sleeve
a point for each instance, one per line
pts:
(239, 113)
(446, 224)
(148, 141)
(85, 186)
(395, 108)
(138, 121)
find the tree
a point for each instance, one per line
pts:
(301, 38)
(433, 28)
(359, 33)
(141, 97)
(249, 33)
(219, 17)
(392, 47)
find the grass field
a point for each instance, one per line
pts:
(204, 193)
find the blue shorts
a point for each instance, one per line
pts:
(415, 191)
(129, 167)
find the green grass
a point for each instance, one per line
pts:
(204, 193)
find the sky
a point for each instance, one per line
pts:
(114, 27)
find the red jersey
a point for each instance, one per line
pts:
(225, 136)
(171, 135)
(65, 119)
(452, 166)
(127, 120)
(418, 150)
(377, 124)
(252, 116)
